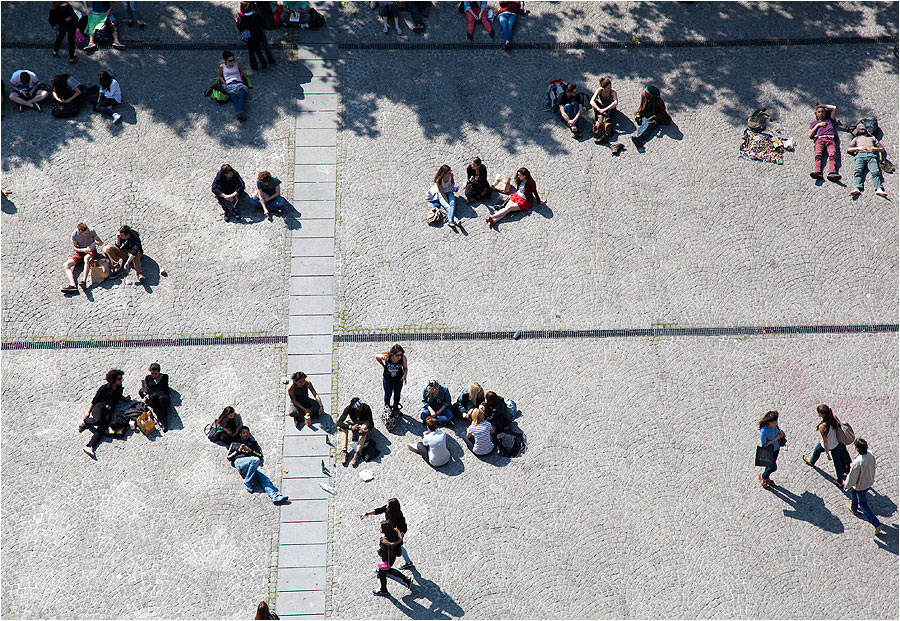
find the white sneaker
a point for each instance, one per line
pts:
(116, 118)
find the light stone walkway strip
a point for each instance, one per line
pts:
(303, 532)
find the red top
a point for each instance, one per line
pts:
(511, 7)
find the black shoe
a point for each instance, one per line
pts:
(380, 593)
(82, 426)
(492, 33)
(507, 45)
(226, 216)
(470, 36)
(638, 142)
(815, 175)
(834, 177)
(407, 566)
(409, 583)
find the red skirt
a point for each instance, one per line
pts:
(523, 203)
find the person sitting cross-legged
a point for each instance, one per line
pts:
(228, 188)
(433, 445)
(25, 90)
(479, 436)
(356, 419)
(268, 194)
(246, 455)
(436, 402)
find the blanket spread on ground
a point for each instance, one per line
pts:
(762, 146)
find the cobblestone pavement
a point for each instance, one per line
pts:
(551, 22)
(220, 274)
(152, 529)
(637, 496)
(684, 233)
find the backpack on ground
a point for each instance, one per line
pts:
(512, 407)
(215, 433)
(217, 93)
(757, 119)
(145, 423)
(100, 270)
(554, 90)
(436, 215)
(844, 433)
(316, 20)
(602, 129)
(870, 124)
(104, 32)
(390, 417)
(510, 443)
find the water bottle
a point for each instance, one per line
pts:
(308, 419)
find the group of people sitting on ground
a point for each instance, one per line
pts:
(244, 452)
(474, 13)
(105, 417)
(854, 477)
(516, 194)
(565, 99)
(229, 190)
(109, 261)
(864, 146)
(68, 94)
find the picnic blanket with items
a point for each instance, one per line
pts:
(762, 146)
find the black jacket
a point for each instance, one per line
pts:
(499, 416)
(58, 17)
(389, 551)
(108, 396)
(253, 23)
(234, 450)
(151, 387)
(222, 185)
(356, 418)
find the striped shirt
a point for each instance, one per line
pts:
(482, 436)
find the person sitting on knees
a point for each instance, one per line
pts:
(128, 249)
(246, 455)
(99, 414)
(356, 418)
(496, 412)
(479, 436)
(433, 445)
(268, 193)
(469, 399)
(436, 402)
(301, 403)
(25, 90)
(84, 242)
(155, 391)
(228, 188)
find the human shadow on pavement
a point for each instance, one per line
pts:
(888, 540)
(174, 422)
(439, 605)
(7, 205)
(880, 504)
(808, 508)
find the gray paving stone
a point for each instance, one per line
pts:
(316, 102)
(313, 247)
(318, 427)
(305, 446)
(309, 324)
(316, 138)
(320, 67)
(303, 468)
(311, 285)
(318, 51)
(309, 227)
(317, 120)
(314, 173)
(302, 601)
(312, 210)
(301, 556)
(304, 617)
(311, 305)
(312, 344)
(303, 489)
(324, 191)
(310, 363)
(314, 155)
(319, 84)
(306, 510)
(301, 579)
(312, 265)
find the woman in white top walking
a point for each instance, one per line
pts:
(834, 450)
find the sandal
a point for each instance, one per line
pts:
(806, 461)
(118, 46)
(762, 481)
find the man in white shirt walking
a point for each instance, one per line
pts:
(859, 480)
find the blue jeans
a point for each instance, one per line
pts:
(249, 469)
(647, 124)
(858, 501)
(770, 469)
(238, 100)
(571, 109)
(133, 11)
(392, 388)
(867, 160)
(507, 23)
(443, 418)
(276, 203)
(841, 463)
(449, 202)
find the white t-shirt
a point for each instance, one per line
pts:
(482, 436)
(16, 79)
(114, 92)
(436, 441)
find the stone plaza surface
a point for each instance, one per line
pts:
(637, 496)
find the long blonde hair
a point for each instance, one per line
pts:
(477, 415)
(476, 393)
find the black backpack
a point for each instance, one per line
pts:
(510, 443)
(215, 433)
(316, 20)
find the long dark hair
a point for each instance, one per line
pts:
(390, 532)
(393, 513)
(524, 172)
(443, 170)
(60, 84)
(827, 417)
(228, 410)
(105, 79)
(770, 417)
(396, 349)
(263, 612)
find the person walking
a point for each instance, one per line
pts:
(770, 435)
(393, 514)
(394, 377)
(250, 25)
(833, 449)
(388, 547)
(64, 19)
(860, 478)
